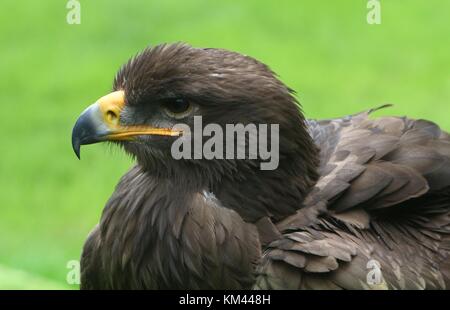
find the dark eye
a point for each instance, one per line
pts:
(177, 108)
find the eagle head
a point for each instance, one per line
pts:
(158, 95)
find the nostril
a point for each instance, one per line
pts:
(111, 115)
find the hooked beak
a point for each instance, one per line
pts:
(101, 122)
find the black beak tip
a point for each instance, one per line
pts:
(86, 130)
(76, 138)
(76, 146)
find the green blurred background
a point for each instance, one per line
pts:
(50, 71)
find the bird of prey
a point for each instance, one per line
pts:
(355, 203)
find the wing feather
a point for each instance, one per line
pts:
(383, 194)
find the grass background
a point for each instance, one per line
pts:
(50, 71)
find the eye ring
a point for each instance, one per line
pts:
(177, 108)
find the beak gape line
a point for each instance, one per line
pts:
(100, 122)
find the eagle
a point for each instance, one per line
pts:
(356, 202)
